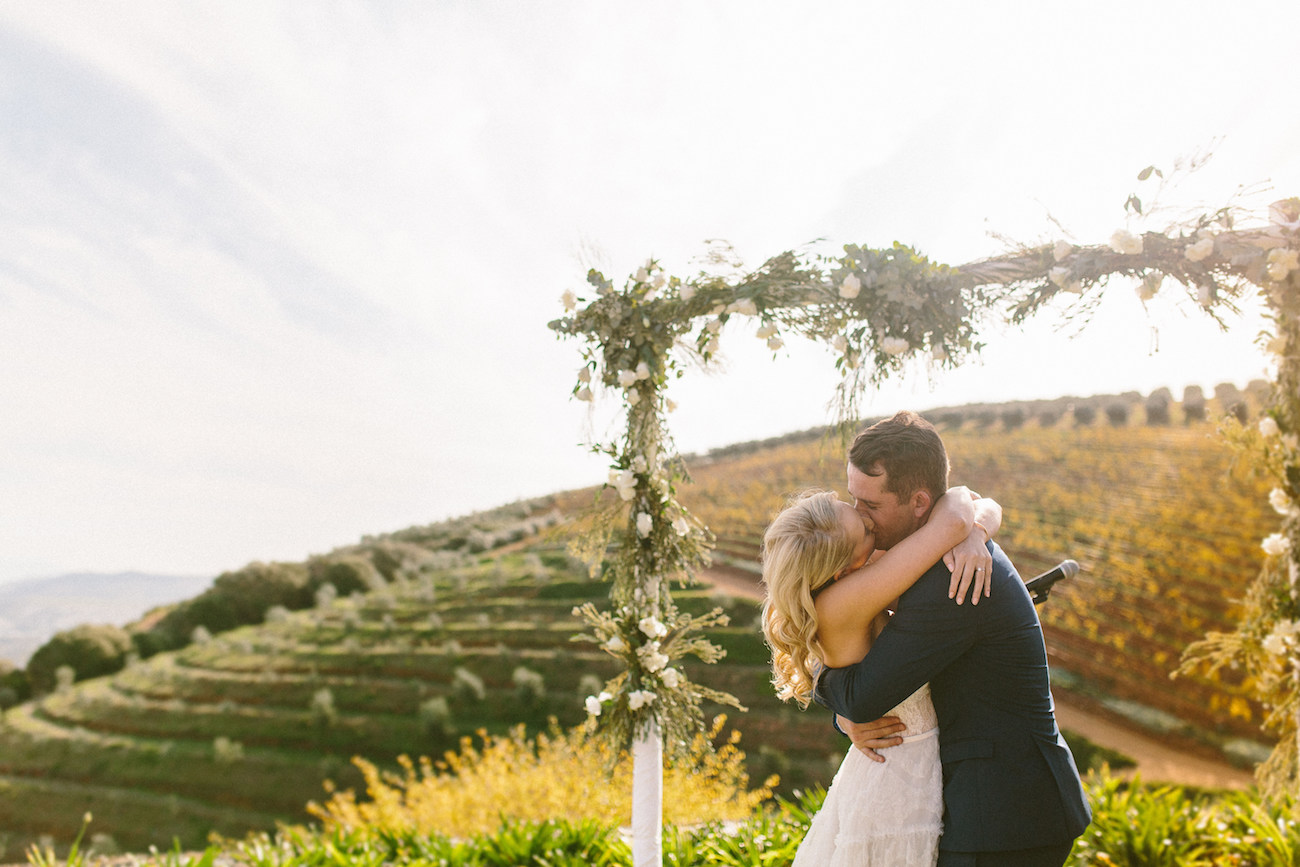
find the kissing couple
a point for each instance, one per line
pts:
(956, 758)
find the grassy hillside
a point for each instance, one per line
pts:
(466, 625)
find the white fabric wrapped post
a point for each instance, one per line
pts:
(647, 797)
(1293, 573)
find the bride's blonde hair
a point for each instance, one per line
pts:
(804, 548)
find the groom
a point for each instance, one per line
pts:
(1011, 790)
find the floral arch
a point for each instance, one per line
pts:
(880, 308)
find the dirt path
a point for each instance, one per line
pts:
(1157, 761)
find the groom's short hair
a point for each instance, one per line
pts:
(908, 449)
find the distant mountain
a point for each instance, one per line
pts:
(31, 612)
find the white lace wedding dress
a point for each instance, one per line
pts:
(884, 814)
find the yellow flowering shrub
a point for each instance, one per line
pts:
(559, 775)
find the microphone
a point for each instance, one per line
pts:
(1041, 585)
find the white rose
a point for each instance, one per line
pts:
(1275, 545)
(584, 375)
(1275, 644)
(659, 281)
(652, 660)
(839, 342)
(615, 644)
(745, 307)
(774, 343)
(938, 353)
(1268, 426)
(895, 345)
(1126, 243)
(1061, 250)
(1200, 251)
(1204, 296)
(569, 300)
(594, 706)
(850, 287)
(670, 404)
(584, 393)
(639, 464)
(633, 398)
(625, 482)
(651, 627)
(645, 524)
(712, 346)
(626, 378)
(671, 677)
(686, 291)
(642, 370)
(1150, 285)
(1277, 346)
(713, 326)
(681, 526)
(641, 276)
(1280, 502)
(638, 699)
(1282, 262)
(1060, 275)
(765, 332)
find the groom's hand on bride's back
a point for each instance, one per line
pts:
(872, 736)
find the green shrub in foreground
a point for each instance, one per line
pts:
(1134, 826)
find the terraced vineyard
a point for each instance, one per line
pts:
(240, 731)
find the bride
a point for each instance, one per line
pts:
(827, 599)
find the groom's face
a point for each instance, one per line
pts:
(894, 519)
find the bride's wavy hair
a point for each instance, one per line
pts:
(804, 548)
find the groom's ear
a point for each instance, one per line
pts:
(921, 503)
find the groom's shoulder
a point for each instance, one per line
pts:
(1001, 562)
(934, 581)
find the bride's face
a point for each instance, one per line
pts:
(859, 533)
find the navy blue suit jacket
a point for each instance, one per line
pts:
(1009, 780)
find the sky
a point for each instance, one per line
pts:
(276, 275)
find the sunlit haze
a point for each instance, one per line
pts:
(275, 275)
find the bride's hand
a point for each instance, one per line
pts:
(971, 565)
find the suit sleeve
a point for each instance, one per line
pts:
(927, 633)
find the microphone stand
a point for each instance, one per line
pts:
(1041, 585)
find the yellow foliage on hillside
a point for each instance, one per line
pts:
(561, 774)
(1164, 524)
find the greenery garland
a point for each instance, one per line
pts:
(880, 308)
